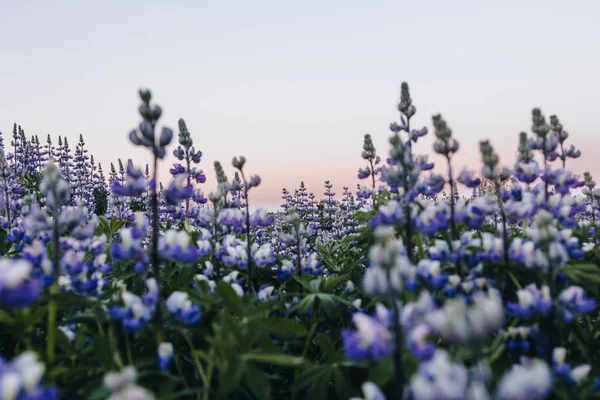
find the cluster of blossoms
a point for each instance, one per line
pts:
(461, 286)
(21, 379)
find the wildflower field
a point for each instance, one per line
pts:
(113, 286)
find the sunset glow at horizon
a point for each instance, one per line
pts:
(294, 87)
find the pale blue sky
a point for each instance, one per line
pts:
(295, 85)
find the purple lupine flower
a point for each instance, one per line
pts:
(266, 293)
(165, 355)
(263, 256)
(176, 245)
(285, 270)
(17, 287)
(178, 190)
(134, 186)
(530, 380)
(466, 177)
(532, 302)
(418, 345)
(370, 392)
(182, 309)
(370, 341)
(440, 378)
(21, 379)
(573, 301)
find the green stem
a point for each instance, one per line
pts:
(205, 381)
(178, 366)
(116, 356)
(128, 348)
(313, 329)
(52, 307)
(420, 246)
(209, 378)
(52, 312)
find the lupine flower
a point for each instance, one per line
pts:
(266, 293)
(21, 379)
(530, 380)
(212, 285)
(17, 288)
(180, 306)
(311, 265)
(473, 214)
(371, 340)
(468, 321)
(532, 301)
(122, 385)
(134, 186)
(175, 245)
(440, 379)
(518, 338)
(137, 312)
(433, 218)
(165, 355)
(178, 190)
(430, 272)
(129, 247)
(263, 256)
(350, 287)
(370, 392)
(261, 218)
(573, 301)
(467, 179)
(285, 270)
(418, 345)
(232, 217)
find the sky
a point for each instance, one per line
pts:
(294, 86)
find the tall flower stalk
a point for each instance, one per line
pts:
(146, 136)
(56, 192)
(369, 154)
(4, 176)
(490, 171)
(238, 163)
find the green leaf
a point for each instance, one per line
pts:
(230, 297)
(310, 376)
(258, 383)
(326, 345)
(70, 300)
(6, 319)
(314, 285)
(343, 386)
(382, 373)
(276, 359)
(183, 394)
(115, 225)
(283, 327)
(306, 303)
(104, 225)
(333, 283)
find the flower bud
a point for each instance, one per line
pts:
(145, 95)
(238, 162)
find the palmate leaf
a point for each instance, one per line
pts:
(314, 379)
(230, 298)
(274, 359)
(283, 327)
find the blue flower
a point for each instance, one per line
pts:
(370, 341)
(165, 355)
(17, 288)
(573, 301)
(182, 309)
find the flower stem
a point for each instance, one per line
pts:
(248, 232)
(158, 320)
(52, 306)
